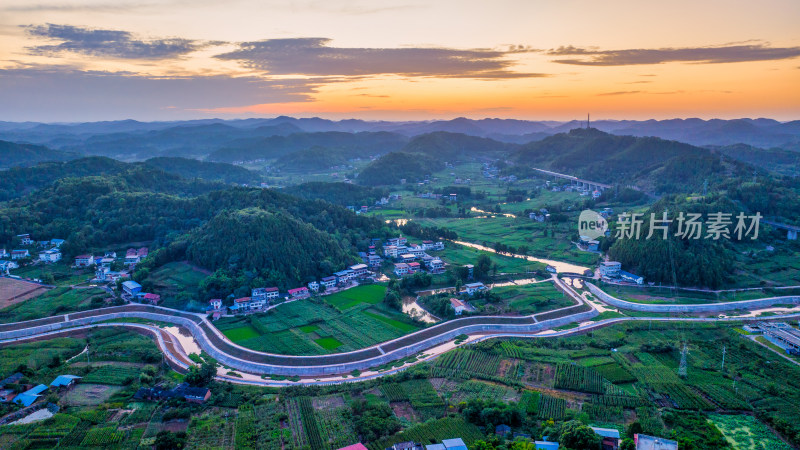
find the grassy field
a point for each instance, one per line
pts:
(529, 298)
(747, 433)
(366, 294)
(56, 301)
(460, 255)
(62, 273)
(665, 295)
(517, 233)
(177, 282)
(314, 326)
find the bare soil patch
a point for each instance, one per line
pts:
(13, 291)
(404, 409)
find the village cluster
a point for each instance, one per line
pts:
(408, 258)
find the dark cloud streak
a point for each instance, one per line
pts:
(314, 57)
(700, 55)
(109, 43)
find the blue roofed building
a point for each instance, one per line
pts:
(610, 437)
(545, 445)
(631, 278)
(28, 397)
(131, 288)
(65, 381)
(454, 444)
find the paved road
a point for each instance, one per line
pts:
(246, 360)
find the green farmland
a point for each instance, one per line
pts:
(519, 232)
(320, 325)
(529, 298)
(371, 294)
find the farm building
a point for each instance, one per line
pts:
(19, 254)
(28, 397)
(610, 269)
(152, 298)
(472, 288)
(51, 255)
(65, 381)
(645, 442)
(408, 445)
(459, 306)
(84, 260)
(359, 270)
(545, 445)
(328, 282)
(131, 287)
(401, 269)
(298, 292)
(358, 446)
(610, 438)
(631, 278)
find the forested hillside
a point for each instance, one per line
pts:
(18, 181)
(250, 237)
(313, 159)
(687, 262)
(457, 147)
(192, 168)
(281, 249)
(13, 154)
(396, 166)
(363, 144)
(342, 194)
(653, 163)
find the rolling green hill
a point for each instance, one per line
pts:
(211, 171)
(13, 154)
(652, 163)
(394, 167)
(456, 146)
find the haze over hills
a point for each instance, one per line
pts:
(235, 140)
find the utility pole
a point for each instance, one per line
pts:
(682, 370)
(723, 358)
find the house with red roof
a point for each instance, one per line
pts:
(298, 292)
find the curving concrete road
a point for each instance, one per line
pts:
(697, 308)
(245, 360)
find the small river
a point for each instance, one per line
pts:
(559, 265)
(413, 309)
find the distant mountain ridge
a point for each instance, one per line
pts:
(21, 155)
(133, 140)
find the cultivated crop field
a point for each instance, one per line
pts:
(86, 394)
(518, 232)
(747, 433)
(174, 280)
(313, 326)
(531, 298)
(14, 291)
(369, 293)
(55, 301)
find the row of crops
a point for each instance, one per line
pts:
(464, 364)
(432, 432)
(577, 378)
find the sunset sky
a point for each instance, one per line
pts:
(88, 60)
